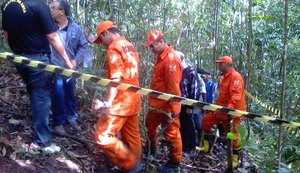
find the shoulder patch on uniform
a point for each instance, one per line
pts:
(236, 84)
(171, 55)
(172, 67)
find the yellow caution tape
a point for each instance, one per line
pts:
(269, 108)
(146, 92)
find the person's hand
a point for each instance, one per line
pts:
(74, 63)
(100, 108)
(189, 111)
(69, 65)
(96, 105)
(171, 117)
(104, 111)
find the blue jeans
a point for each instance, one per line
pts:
(38, 84)
(198, 120)
(63, 100)
(187, 129)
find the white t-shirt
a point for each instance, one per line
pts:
(202, 84)
(202, 88)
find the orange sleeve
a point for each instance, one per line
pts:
(115, 65)
(173, 73)
(236, 91)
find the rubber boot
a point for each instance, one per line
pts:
(208, 143)
(235, 158)
(235, 161)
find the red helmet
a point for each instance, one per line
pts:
(152, 35)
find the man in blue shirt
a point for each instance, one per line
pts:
(211, 88)
(76, 45)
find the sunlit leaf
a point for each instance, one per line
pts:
(231, 136)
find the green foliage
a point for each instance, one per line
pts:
(262, 150)
(243, 138)
(231, 136)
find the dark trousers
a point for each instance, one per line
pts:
(187, 130)
(63, 100)
(38, 84)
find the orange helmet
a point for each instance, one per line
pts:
(152, 35)
(103, 26)
(225, 59)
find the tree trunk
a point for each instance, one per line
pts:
(282, 100)
(215, 37)
(249, 50)
(164, 16)
(77, 7)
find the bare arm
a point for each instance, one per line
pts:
(56, 43)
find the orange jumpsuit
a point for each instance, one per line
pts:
(231, 94)
(166, 78)
(122, 61)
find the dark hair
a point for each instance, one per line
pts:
(64, 5)
(202, 71)
(112, 30)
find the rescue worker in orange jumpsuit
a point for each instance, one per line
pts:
(166, 77)
(119, 113)
(231, 95)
